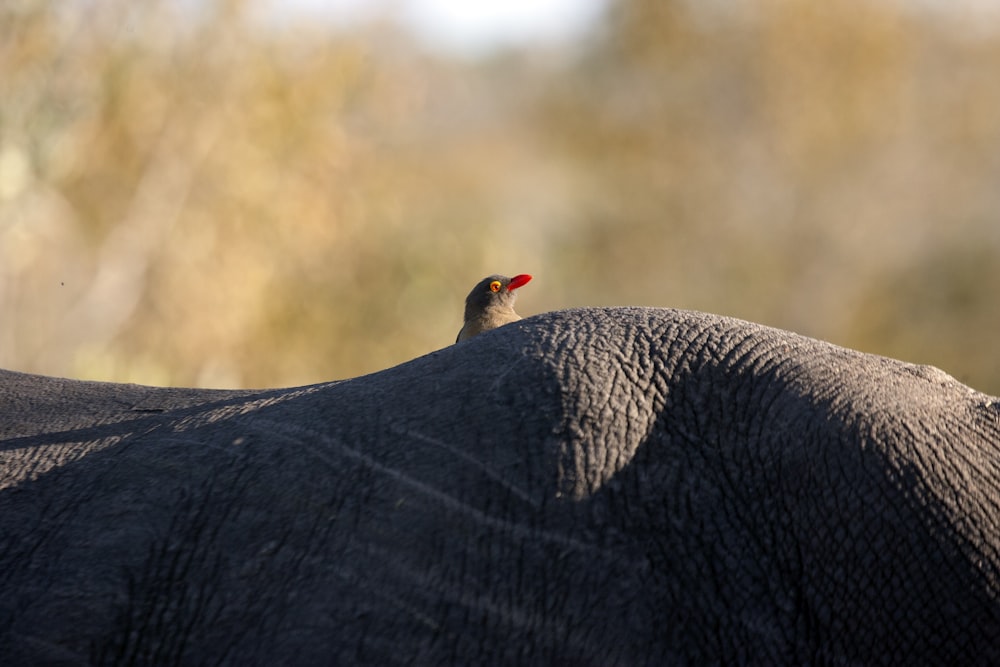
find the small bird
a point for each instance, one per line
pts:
(490, 304)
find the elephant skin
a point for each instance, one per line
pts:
(623, 486)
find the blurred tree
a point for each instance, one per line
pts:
(238, 198)
(205, 194)
(781, 161)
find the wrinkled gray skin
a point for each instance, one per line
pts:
(589, 487)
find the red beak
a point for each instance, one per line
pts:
(518, 281)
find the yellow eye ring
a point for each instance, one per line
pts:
(495, 286)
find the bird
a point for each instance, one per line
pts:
(490, 304)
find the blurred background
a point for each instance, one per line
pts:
(250, 194)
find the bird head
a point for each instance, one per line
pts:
(495, 291)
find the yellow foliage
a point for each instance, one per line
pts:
(204, 196)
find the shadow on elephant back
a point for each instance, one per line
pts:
(585, 487)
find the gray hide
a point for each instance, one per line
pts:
(587, 487)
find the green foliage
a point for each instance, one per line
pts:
(210, 197)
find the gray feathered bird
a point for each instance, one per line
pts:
(490, 304)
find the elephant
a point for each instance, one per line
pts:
(594, 486)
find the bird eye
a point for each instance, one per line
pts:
(495, 286)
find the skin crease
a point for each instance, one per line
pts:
(490, 304)
(588, 487)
